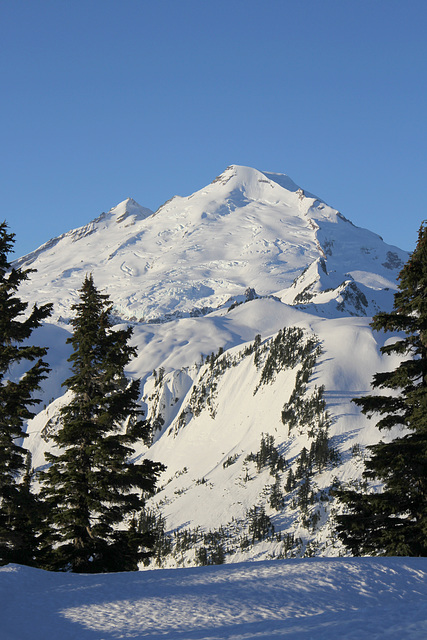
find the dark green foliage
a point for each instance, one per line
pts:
(303, 493)
(290, 481)
(185, 539)
(286, 350)
(290, 545)
(277, 500)
(256, 349)
(204, 393)
(308, 412)
(202, 557)
(209, 547)
(393, 521)
(300, 410)
(268, 456)
(260, 525)
(156, 425)
(313, 520)
(153, 524)
(321, 452)
(230, 460)
(320, 455)
(213, 357)
(93, 490)
(159, 377)
(19, 539)
(212, 551)
(257, 341)
(304, 466)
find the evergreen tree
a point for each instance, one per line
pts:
(290, 481)
(394, 520)
(18, 535)
(277, 500)
(95, 493)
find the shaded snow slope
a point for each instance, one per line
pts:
(247, 229)
(296, 600)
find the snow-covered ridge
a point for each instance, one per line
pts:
(126, 212)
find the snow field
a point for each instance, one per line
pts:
(330, 599)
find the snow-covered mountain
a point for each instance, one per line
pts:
(250, 301)
(246, 230)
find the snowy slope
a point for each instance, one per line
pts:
(211, 420)
(326, 599)
(225, 279)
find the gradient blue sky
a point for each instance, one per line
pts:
(105, 99)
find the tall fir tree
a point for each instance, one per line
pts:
(393, 521)
(95, 493)
(18, 505)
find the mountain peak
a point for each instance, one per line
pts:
(128, 208)
(258, 185)
(248, 173)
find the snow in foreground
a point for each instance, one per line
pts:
(296, 599)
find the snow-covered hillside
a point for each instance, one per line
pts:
(250, 302)
(326, 599)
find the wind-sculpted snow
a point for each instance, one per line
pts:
(326, 599)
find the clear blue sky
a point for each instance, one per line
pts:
(105, 99)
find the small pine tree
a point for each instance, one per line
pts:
(290, 481)
(303, 493)
(259, 524)
(393, 521)
(321, 452)
(18, 535)
(304, 464)
(277, 500)
(93, 490)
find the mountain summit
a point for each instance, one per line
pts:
(245, 230)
